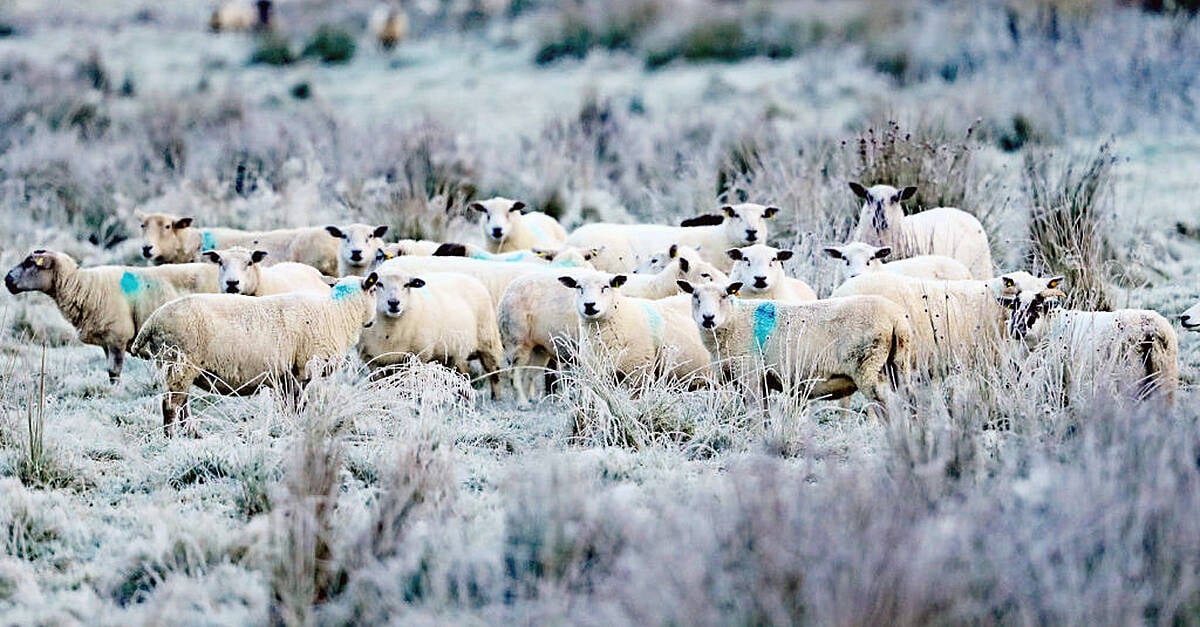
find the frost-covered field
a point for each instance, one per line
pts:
(986, 498)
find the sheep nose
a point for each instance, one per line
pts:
(393, 304)
(10, 283)
(751, 235)
(356, 255)
(232, 286)
(147, 251)
(589, 308)
(708, 321)
(1186, 320)
(497, 233)
(760, 282)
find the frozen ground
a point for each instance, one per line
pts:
(441, 511)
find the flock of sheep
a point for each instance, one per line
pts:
(231, 311)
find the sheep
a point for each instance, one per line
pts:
(233, 344)
(506, 228)
(838, 346)
(240, 271)
(234, 15)
(952, 321)
(389, 25)
(941, 231)
(564, 256)
(655, 263)
(443, 317)
(495, 275)
(759, 268)
(626, 244)
(1136, 349)
(1190, 319)
(169, 238)
(537, 318)
(359, 245)
(409, 247)
(639, 336)
(107, 305)
(860, 257)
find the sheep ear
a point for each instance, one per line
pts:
(673, 251)
(882, 253)
(770, 212)
(833, 252)
(450, 249)
(593, 253)
(858, 190)
(182, 223)
(684, 264)
(1008, 282)
(734, 254)
(617, 281)
(1055, 282)
(370, 282)
(908, 192)
(568, 281)
(212, 256)
(334, 231)
(517, 206)
(380, 230)
(257, 256)
(783, 255)
(415, 283)
(381, 255)
(685, 287)
(733, 288)
(477, 206)
(329, 280)
(543, 253)
(728, 211)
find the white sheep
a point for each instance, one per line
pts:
(1134, 349)
(408, 247)
(940, 231)
(837, 346)
(234, 344)
(169, 238)
(440, 317)
(1190, 319)
(240, 271)
(759, 268)
(495, 275)
(860, 257)
(636, 335)
(107, 304)
(360, 243)
(953, 322)
(389, 25)
(233, 15)
(626, 245)
(506, 228)
(564, 255)
(537, 318)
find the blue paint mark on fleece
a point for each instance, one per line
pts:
(538, 233)
(342, 290)
(764, 324)
(130, 284)
(656, 322)
(208, 241)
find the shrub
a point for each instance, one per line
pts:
(616, 30)
(938, 165)
(730, 40)
(331, 45)
(1070, 221)
(273, 49)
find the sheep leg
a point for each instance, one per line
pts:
(175, 406)
(490, 360)
(519, 361)
(116, 361)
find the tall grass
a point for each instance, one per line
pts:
(1071, 221)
